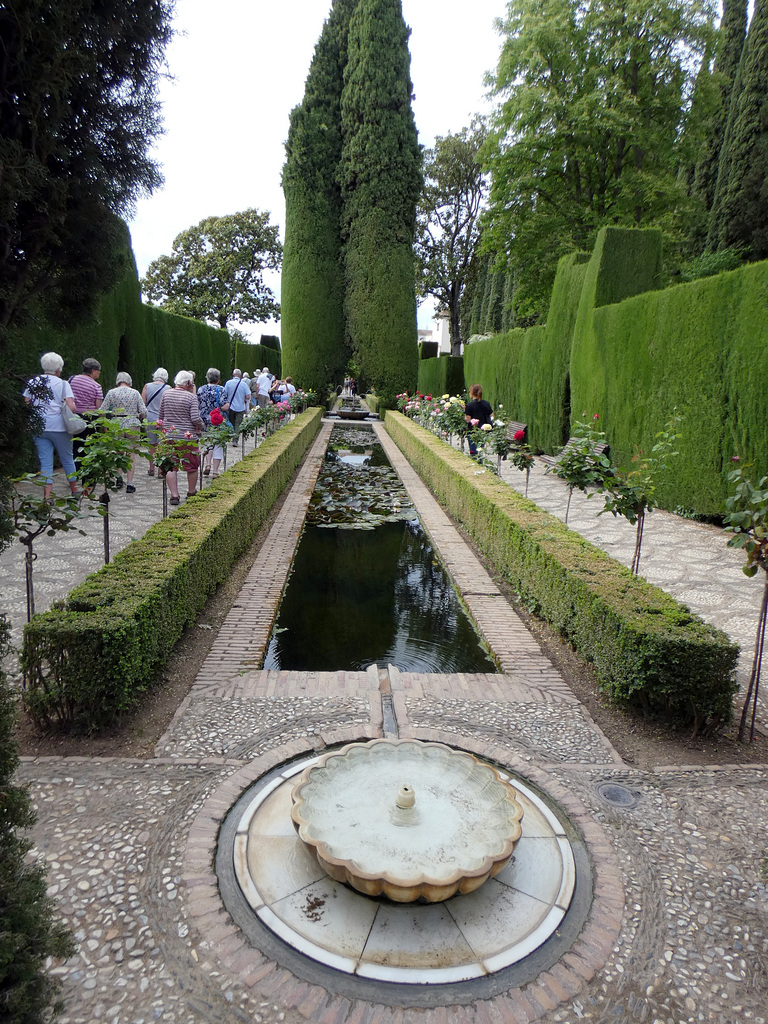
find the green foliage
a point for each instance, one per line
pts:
(711, 263)
(730, 42)
(632, 492)
(747, 519)
(380, 175)
(270, 341)
(442, 376)
(428, 350)
(29, 935)
(588, 131)
(77, 121)
(107, 453)
(447, 221)
(739, 209)
(253, 358)
(91, 658)
(647, 650)
(315, 343)
(215, 272)
(690, 347)
(580, 465)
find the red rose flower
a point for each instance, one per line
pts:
(519, 435)
(216, 418)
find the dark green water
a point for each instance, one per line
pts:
(366, 585)
(363, 596)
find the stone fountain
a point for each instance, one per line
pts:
(407, 820)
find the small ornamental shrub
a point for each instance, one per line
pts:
(579, 464)
(747, 520)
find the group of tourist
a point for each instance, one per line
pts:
(178, 414)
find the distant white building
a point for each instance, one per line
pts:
(439, 332)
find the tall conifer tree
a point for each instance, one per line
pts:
(381, 179)
(740, 208)
(314, 346)
(730, 43)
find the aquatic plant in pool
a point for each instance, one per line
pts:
(367, 586)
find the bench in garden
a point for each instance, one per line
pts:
(552, 460)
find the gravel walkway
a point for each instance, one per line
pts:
(678, 930)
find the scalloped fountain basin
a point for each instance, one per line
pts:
(406, 819)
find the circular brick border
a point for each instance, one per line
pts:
(224, 941)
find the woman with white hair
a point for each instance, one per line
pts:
(181, 422)
(126, 404)
(46, 393)
(151, 394)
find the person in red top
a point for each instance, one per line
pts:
(88, 398)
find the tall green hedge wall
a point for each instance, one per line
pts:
(125, 334)
(441, 376)
(617, 344)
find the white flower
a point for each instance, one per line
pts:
(486, 427)
(499, 423)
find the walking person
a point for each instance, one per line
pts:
(238, 396)
(88, 398)
(151, 394)
(54, 436)
(180, 416)
(477, 412)
(211, 396)
(126, 404)
(263, 384)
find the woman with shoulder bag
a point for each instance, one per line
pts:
(54, 436)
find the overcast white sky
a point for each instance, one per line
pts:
(239, 67)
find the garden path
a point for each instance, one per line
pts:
(677, 930)
(690, 560)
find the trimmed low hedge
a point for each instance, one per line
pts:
(93, 655)
(647, 649)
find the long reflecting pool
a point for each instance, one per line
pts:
(366, 584)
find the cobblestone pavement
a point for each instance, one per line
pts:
(66, 559)
(690, 560)
(677, 932)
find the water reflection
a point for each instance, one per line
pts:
(358, 597)
(366, 585)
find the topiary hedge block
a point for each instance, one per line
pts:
(93, 656)
(443, 375)
(647, 649)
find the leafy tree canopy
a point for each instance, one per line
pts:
(592, 99)
(447, 221)
(215, 272)
(78, 112)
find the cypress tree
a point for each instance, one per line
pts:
(508, 302)
(495, 313)
(476, 322)
(314, 346)
(740, 208)
(381, 180)
(730, 43)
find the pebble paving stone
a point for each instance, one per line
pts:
(678, 931)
